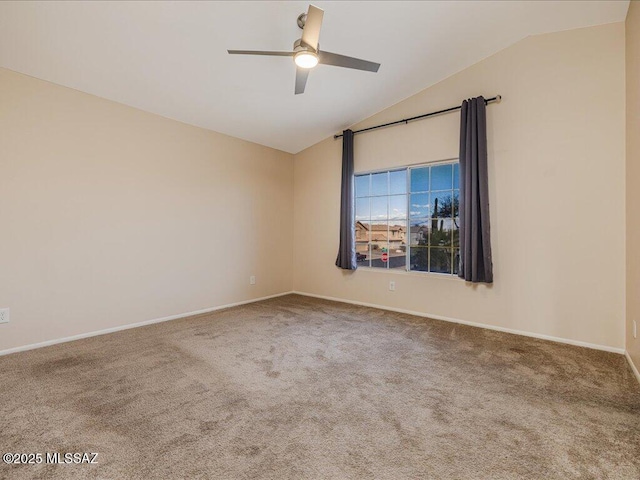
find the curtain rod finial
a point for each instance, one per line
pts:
(498, 98)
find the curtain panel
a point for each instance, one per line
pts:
(476, 264)
(347, 249)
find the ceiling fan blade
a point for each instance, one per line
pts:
(301, 79)
(328, 58)
(260, 52)
(312, 26)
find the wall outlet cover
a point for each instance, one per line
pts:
(4, 315)
(252, 280)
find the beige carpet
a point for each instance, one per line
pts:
(298, 388)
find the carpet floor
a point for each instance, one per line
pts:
(301, 388)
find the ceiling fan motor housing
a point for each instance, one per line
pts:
(300, 46)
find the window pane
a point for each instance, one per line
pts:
(442, 177)
(362, 185)
(379, 208)
(420, 234)
(456, 175)
(420, 179)
(456, 202)
(456, 260)
(362, 254)
(362, 232)
(419, 259)
(442, 203)
(398, 207)
(420, 209)
(440, 260)
(397, 255)
(363, 211)
(397, 236)
(379, 244)
(398, 182)
(380, 183)
(441, 232)
(379, 232)
(456, 232)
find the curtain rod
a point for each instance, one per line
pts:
(495, 99)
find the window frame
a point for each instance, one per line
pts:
(407, 267)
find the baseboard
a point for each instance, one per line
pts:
(48, 343)
(568, 341)
(633, 367)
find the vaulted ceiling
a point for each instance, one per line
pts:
(170, 58)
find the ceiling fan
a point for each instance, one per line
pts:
(307, 54)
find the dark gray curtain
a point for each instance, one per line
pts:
(475, 245)
(347, 251)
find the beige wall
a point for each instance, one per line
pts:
(633, 178)
(556, 149)
(111, 216)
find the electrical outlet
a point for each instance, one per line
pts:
(635, 329)
(392, 286)
(252, 280)
(4, 315)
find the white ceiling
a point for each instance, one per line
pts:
(170, 58)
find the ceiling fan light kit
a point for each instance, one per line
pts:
(306, 51)
(306, 59)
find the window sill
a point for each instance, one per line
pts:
(412, 273)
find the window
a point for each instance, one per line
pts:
(381, 219)
(408, 218)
